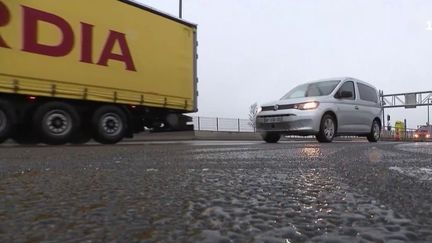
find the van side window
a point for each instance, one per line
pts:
(347, 87)
(367, 93)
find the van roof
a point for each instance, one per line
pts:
(344, 79)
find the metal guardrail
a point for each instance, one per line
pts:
(217, 124)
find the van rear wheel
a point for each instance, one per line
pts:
(375, 132)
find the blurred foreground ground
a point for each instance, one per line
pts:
(217, 191)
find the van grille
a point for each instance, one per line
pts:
(279, 107)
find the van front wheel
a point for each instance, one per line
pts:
(327, 129)
(271, 137)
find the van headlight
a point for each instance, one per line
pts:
(307, 105)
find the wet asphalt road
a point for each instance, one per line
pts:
(217, 192)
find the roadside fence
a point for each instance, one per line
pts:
(402, 134)
(218, 124)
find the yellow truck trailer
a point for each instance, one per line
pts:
(102, 69)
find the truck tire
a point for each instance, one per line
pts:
(110, 124)
(327, 129)
(7, 120)
(56, 122)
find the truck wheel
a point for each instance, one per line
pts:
(271, 137)
(109, 123)
(7, 120)
(375, 132)
(56, 122)
(327, 129)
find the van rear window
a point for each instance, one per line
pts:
(367, 93)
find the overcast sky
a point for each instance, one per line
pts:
(257, 50)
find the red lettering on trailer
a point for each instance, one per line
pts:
(32, 17)
(86, 43)
(125, 55)
(4, 20)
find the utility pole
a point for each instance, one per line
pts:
(180, 8)
(381, 93)
(429, 99)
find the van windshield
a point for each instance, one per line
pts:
(312, 89)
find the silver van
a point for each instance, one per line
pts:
(324, 108)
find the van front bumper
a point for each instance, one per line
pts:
(294, 122)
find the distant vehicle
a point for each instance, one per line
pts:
(324, 108)
(423, 133)
(105, 71)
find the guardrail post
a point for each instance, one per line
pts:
(199, 124)
(217, 124)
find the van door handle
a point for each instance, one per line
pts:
(356, 107)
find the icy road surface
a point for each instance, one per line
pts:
(198, 191)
